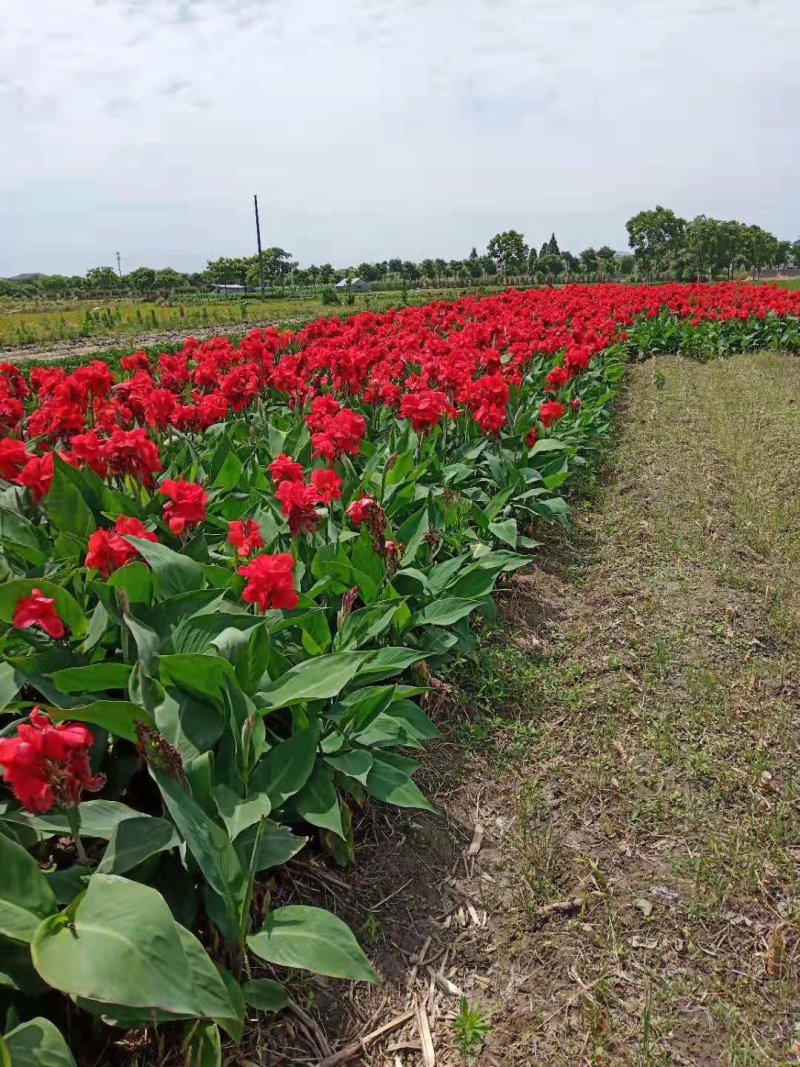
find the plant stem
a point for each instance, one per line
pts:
(74, 820)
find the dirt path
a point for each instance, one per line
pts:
(83, 348)
(627, 748)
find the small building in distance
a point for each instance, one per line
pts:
(351, 285)
(230, 290)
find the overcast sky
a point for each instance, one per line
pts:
(374, 128)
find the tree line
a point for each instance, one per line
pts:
(663, 246)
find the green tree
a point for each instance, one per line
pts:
(550, 266)
(428, 268)
(588, 258)
(533, 257)
(606, 261)
(142, 280)
(552, 246)
(102, 279)
(654, 236)
(509, 252)
(571, 264)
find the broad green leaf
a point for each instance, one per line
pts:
(134, 840)
(230, 473)
(320, 678)
(96, 678)
(318, 803)
(10, 683)
(209, 844)
(22, 881)
(392, 785)
(265, 995)
(176, 572)
(205, 676)
(119, 717)
(238, 813)
(387, 662)
(286, 768)
(37, 1043)
(18, 536)
(444, 612)
(505, 531)
(67, 607)
(548, 444)
(194, 726)
(136, 581)
(65, 506)
(274, 846)
(118, 945)
(312, 939)
(411, 533)
(356, 764)
(99, 818)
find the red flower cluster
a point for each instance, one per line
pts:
(342, 432)
(245, 536)
(270, 582)
(297, 499)
(186, 506)
(550, 411)
(448, 360)
(108, 549)
(47, 765)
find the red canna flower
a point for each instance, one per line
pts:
(360, 509)
(550, 411)
(557, 378)
(342, 432)
(322, 408)
(38, 610)
(245, 536)
(297, 502)
(284, 469)
(328, 485)
(425, 409)
(367, 511)
(531, 437)
(46, 765)
(132, 452)
(108, 550)
(13, 457)
(186, 506)
(37, 476)
(270, 582)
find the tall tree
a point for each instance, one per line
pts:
(509, 252)
(552, 246)
(655, 235)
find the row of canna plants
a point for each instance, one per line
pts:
(208, 671)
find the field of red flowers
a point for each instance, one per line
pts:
(228, 573)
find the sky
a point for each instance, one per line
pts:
(380, 128)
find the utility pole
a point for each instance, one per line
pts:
(260, 255)
(119, 267)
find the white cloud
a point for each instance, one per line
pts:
(379, 127)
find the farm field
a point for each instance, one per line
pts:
(262, 579)
(48, 326)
